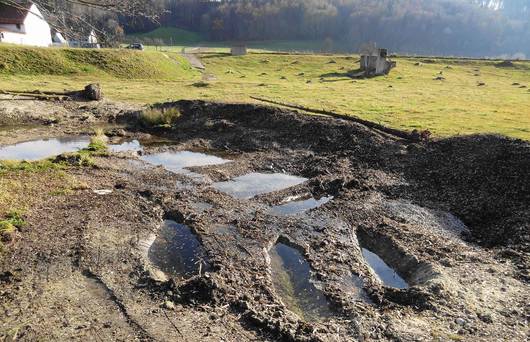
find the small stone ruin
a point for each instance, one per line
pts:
(374, 61)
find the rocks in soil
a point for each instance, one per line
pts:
(168, 305)
(93, 92)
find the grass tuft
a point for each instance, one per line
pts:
(9, 226)
(15, 218)
(34, 166)
(154, 117)
(98, 144)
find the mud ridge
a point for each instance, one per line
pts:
(143, 333)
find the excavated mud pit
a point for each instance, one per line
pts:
(253, 223)
(178, 252)
(292, 281)
(385, 273)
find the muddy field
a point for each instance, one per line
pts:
(249, 223)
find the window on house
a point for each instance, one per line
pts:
(18, 26)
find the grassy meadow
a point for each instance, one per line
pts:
(173, 39)
(475, 96)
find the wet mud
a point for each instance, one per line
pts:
(255, 223)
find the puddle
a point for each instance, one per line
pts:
(127, 146)
(178, 161)
(298, 207)
(291, 276)
(385, 273)
(177, 251)
(253, 184)
(43, 148)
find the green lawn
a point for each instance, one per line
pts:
(117, 63)
(408, 98)
(169, 36)
(174, 39)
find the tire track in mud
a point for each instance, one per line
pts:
(363, 170)
(144, 335)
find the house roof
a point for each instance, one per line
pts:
(3, 29)
(14, 14)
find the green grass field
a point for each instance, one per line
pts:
(174, 39)
(129, 64)
(169, 36)
(408, 98)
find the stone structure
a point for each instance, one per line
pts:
(375, 62)
(238, 50)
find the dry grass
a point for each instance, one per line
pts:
(153, 117)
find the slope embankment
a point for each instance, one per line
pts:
(118, 63)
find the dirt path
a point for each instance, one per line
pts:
(194, 61)
(80, 269)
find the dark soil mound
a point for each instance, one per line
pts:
(483, 179)
(254, 127)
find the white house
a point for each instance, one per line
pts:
(87, 38)
(58, 39)
(24, 24)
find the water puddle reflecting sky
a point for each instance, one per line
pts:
(177, 251)
(291, 276)
(298, 207)
(253, 184)
(385, 273)
(127, 146)
(43, 148)
(178, 161)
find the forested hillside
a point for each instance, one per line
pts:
(445, 27)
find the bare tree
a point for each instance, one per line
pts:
(74, 18)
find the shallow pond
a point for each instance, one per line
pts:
(177, 251)
(291, 276)
(298, 207)
(43, 148)
(253, 184)
(385, 273)
(126, 146)
(178, 161)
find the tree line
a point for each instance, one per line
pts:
(446, 27)
(450, 27)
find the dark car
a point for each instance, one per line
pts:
(135, 46)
